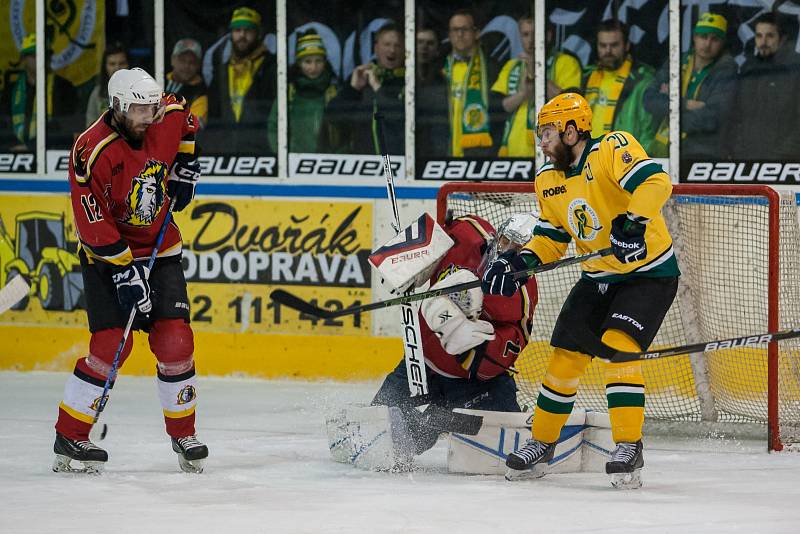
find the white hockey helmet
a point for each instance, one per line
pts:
(517, 231)
(514, 232)
(133, 86)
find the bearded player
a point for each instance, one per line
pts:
(124, 171)
(601, 192)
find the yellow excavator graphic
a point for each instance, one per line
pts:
(40, 253)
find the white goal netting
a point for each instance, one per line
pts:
(736, 280)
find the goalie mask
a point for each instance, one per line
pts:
(513, 233)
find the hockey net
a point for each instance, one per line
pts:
(738, 248)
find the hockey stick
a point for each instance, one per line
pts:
(13, 292)
(115, 364)
(711, 346)
(413, 351)
(287, 299)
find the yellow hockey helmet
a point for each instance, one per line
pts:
(564, 108)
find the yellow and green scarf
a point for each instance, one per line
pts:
(240, 78)
(603, 89)
(23, 131)
(474, 97)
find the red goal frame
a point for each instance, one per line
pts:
(773, 277)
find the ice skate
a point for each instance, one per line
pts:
(191, 453)
(530, 460)
(626, 465)
(91, 457)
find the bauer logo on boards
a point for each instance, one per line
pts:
(742, 172)
(478, 169)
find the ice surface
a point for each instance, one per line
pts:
(269, 471)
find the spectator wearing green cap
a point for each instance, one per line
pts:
(18, 104)
(243, 89)
(312, 85)
(707, 76)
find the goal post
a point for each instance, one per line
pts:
(738, 248)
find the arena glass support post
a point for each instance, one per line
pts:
(674, 89)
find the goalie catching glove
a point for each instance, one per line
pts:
(456, 331)
(499, 276)
(627, 237)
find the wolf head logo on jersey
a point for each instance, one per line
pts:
(583, 219)
(148, 190)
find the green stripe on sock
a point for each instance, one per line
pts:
(625, 400)
(549, 405)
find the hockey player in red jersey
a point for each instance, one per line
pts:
(470, 341)
(124, 170)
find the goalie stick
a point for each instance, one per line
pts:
(710, 346)
(413, 352)
(13, 292)
(287, 299)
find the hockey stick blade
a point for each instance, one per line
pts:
(711, 346)
(285, 298)
(296, 303)
(13, 292)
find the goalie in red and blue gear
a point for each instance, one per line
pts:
(124, 170)
(470, 341)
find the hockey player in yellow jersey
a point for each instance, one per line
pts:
(600, 192)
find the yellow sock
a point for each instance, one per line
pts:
(624, 389)
(557, 394)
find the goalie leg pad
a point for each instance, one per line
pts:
(584, 444)
(369, 437)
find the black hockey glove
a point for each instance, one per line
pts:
(182, 180)
(627, 238)
(132, 287)
(499, 276)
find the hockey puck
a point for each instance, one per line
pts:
(103, 432)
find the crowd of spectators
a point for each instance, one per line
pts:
(467, 104)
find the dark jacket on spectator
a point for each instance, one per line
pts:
(223, 133)
(700, 128)
(348, 127)
(431, 125)
(763, 120)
